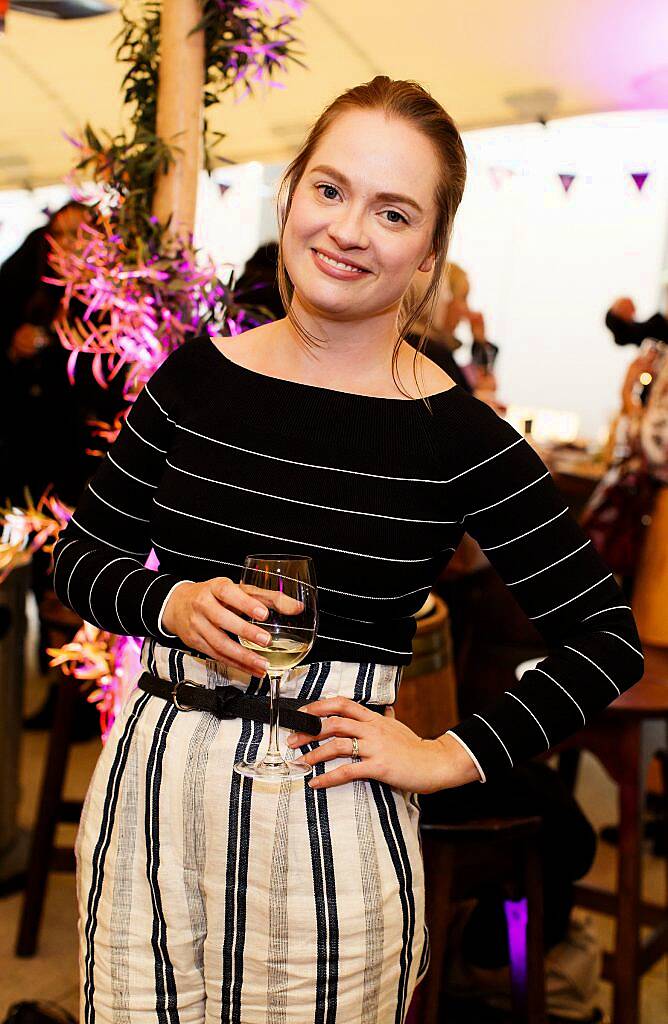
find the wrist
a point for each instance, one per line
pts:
(169, 613)
(459, 765)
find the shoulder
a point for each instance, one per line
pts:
(431, 379)
(182, 368)
(467, 433)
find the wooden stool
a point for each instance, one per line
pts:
(458, 858)
(625, 739)
(53, 809)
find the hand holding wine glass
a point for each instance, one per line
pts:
(286, 586)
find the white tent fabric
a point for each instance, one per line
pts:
(595, 56)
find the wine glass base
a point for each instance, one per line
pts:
(277, 772)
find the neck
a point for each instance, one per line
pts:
(354, 349)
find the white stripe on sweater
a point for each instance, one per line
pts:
(338, 469)
(476, 715)
(108, 542)
(123, 558)
(311, 504)
(294, 540)
(141, 519)
(67, 591)
(550, 566)
(507, 497)
(603, 673)
(515, 697)
(359, 643)
(152, 396)
(131, 475)
(569, 695)
(600, 611)
(571, 599)
(142, 438)
(519, 537)
(330, 590)
(622, 640)
(141, 569)
(141, 606)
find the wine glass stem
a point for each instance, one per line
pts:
(273, 752)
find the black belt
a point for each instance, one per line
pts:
(231, 702)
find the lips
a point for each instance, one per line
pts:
(340, 259)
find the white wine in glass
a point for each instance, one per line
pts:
(286, 585)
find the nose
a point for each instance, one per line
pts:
(347, 229)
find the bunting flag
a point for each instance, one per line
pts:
(566, 180)
(640, 177)
(499, 174)
(222, 188)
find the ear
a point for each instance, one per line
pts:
(427, 264)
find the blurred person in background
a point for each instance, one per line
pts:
(44, 419)
(44, 431)
(451, 309)
(257, 287)
(642, 429)
(626, 330)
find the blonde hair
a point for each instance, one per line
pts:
(411, 102)
(454, 282)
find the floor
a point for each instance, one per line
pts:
(52, 973)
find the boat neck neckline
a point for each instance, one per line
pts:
(437, 395)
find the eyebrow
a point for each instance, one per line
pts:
(386, 197)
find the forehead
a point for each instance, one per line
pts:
(380, 154)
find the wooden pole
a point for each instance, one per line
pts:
(179, 115)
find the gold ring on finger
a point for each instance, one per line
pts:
(356, 748)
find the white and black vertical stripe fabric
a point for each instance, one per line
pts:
(216, 461)
(207, 897)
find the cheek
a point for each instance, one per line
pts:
(305, 218)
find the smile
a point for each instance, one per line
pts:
(338, 264)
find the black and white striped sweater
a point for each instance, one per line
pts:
(217, 461)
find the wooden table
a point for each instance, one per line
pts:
(625, 738)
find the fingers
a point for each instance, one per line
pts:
(274, 599)
(342, 706)
(333, 726)
(340, 776)
(231, 623)
(231, 595)
(218, 645)
(330, 751)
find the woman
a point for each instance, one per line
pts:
(205, 896)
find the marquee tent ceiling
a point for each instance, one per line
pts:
(595, 55)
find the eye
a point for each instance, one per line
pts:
(328, 190)
(395, 214)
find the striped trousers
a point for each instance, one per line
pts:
(205, 896)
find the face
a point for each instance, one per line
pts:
(365, 200)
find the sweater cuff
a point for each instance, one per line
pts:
(153, 600)
(468, 750)
(164, 605)
(486, 747)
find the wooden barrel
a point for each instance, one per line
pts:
(427, 701)
(650, 589)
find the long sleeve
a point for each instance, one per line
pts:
(634, 332)
(516, 514)
(99, 560)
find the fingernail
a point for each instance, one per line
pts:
(262, 663)
(314, 783)
(260, 612)
(263, 638)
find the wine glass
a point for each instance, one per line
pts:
(286, 585)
